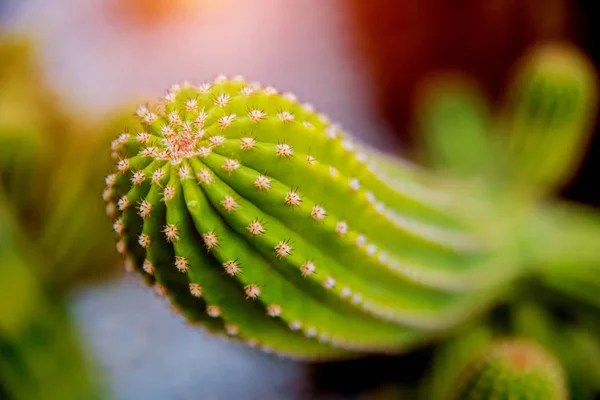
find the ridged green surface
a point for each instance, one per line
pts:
(548, 115)
(512, 369)
(51, 235)
(533, 142)
(260, 218)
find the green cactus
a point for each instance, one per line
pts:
(260, 219)
(231, 198)
(27, 111)
(533, 142)
(547, 116)
(512, 368)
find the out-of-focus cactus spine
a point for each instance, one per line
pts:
(511, 369)
(261, 219)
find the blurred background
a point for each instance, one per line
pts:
(73, 65)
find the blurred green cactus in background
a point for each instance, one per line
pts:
(534, 140)
(259, 218)
(546, 121)
(511, 368)
(572, 349)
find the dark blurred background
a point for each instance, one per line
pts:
(358, 61)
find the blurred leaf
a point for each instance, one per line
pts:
(50, 174)
(40, 357)
(454, 118)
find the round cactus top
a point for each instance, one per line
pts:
(513, 368)
(192, 120)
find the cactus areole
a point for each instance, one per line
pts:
(261, 220)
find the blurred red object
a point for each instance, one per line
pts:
(403, 41)
(146, 14)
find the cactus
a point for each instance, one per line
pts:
(548, 114)
(529, 147)
(48, 237)
(533, 317)
(262, 220)
(533, 142)
(512, 368)
(576, 343)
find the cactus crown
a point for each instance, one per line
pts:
(512, 368)
(260, 219)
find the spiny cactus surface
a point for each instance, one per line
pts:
(260, 219)
(512, 369)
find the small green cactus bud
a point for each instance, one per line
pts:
(548, 115)
(512, 369)
(261, 220)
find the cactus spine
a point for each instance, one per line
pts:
(262, 220)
